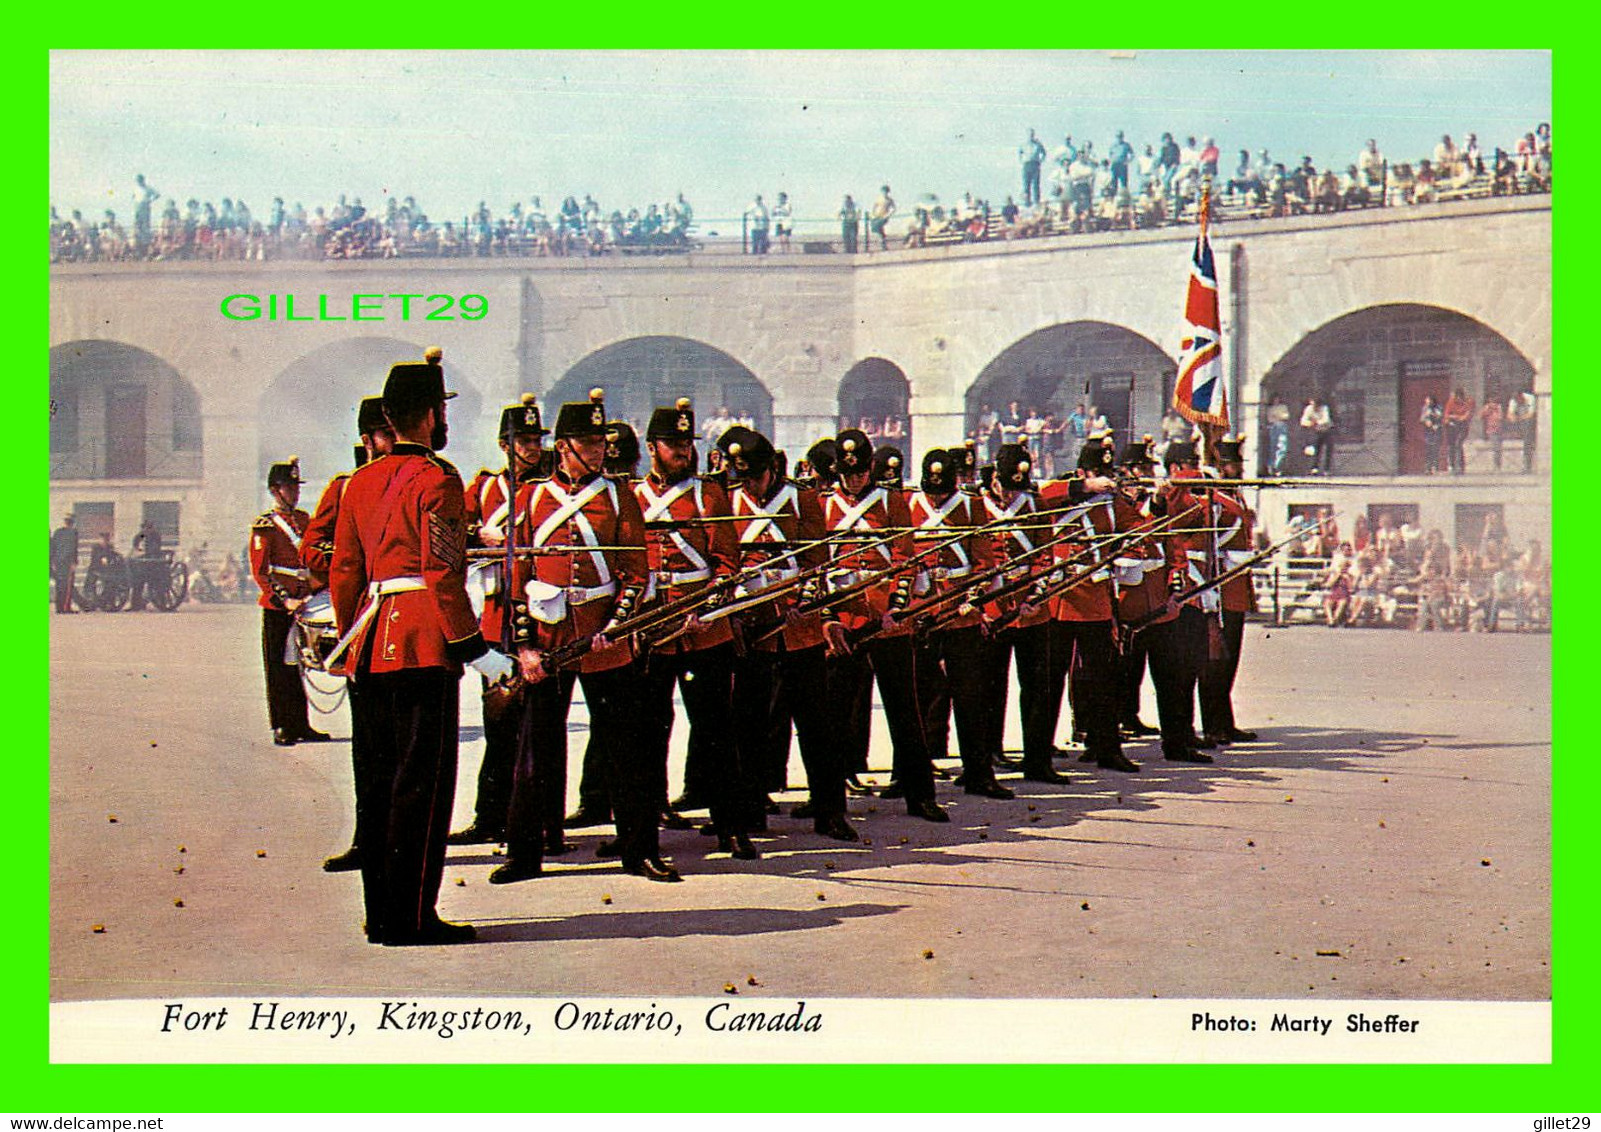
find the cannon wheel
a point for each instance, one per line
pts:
(169, 596)
(109, 588)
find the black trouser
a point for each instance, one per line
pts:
(888, 661)
(410, 718)
(539, 783)
(1094, 649)
(286, 695)
(705, 678)
(952, 661)
(1323, 448)
(934, 692)
(496, 770)
(361, 761)
(63, 574)
(1131, 679)
(1217, 678)
(1176, 649)
(1041, 673)
(794, 685)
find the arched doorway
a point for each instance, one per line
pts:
(1374, 367)
(639, 374)
(875, 391)
(1125, 375)
(120, 413)
(309, 409)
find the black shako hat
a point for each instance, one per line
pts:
(1012, 467)
(622, 448)
(746, 452)
(821, 457)
(1179, 452)
(966, 459)
(888, 466)
(1227, 450)
(521, 419)
(1137, 452)
(286, 473)
(853, 452)
(412, 386)
(583, 419)
(370, 416)
(939, 471)
(1095, 455)
(677, 423)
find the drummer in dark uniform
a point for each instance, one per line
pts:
(275, 541)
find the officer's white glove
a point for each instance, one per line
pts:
(496, 667)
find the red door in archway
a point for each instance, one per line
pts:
(1419, 380)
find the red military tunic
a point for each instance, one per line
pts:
(1140, 575)
(878, 509)
(487, 510)
(796, 517)
(686, 559)
(1238, 527)
(275, 542)
(1186, 544)
(955, 563)
(317, 544)
(1096, 518)
(577, 593)
(1006, 543)
(398, 575)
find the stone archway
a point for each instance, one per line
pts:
(638, 374)
(309, 409)
(118, 412)
(875, 390)
(1374, 366)
(1123, 373)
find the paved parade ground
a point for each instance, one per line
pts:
(1396, 812)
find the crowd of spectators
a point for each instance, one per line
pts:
(1088, 191)
(1073, 189)
(1394, 574)
(347, 230)
(1053, 441)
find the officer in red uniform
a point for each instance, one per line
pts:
(317, 554)
(886, 655)
(563, 605)
(487, 506)
(1233, 525)
(688, 553)
(1010, 495)
(783, 673)
(398, 580)
(951, 658)
(1176, 641)
(275, 541)
(1139, 586)
(1083, 623)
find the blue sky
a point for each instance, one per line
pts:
(451, 128)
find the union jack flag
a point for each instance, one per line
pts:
(1200, 395)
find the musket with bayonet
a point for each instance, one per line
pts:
(1210, 584)
(1122, 538)
(1005, 522)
